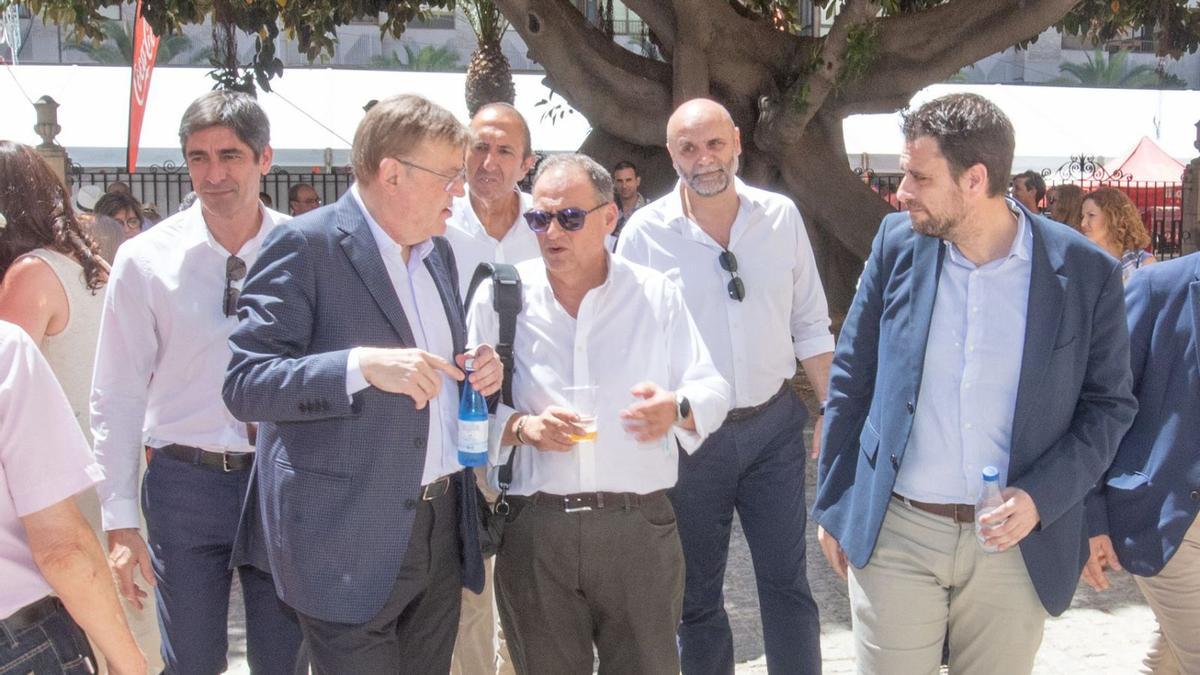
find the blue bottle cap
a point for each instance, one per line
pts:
(991, 473)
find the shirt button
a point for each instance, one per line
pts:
(968, 425)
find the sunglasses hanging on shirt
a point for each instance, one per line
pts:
(235, 270)
(736, 289)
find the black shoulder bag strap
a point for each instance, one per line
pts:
(506, 300)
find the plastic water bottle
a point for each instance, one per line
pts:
(472, 424)
(989, 500)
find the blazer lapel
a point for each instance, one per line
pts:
(360, 247)
(927, 257)
(1194, 302)
(436, 264)
(1047, 293)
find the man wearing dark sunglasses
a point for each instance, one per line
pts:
(743, 260)
(170, 306)
(350, 352)
(591, 560)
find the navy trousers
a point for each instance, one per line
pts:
(53, 646)
(192, 514)
(755, 466)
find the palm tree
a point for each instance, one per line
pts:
(1110, 72)
(117, 46)
(489, 76)
(426, 59)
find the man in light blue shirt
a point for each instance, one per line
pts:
(981, 334)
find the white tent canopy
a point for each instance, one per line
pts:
(313, 109)
(310, 109)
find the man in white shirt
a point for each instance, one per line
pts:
(351, 331)
(591, 558)
(758, 318)
(486, 225)
(168, 312)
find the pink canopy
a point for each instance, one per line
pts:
(1148, 162)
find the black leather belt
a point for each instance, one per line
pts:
(739, 414)
(592, 501)
(226, 462)
(437, 488)
(959, 513)
(31, 615)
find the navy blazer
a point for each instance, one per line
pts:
(1151, 495)
(1073, 396)
(333, 499)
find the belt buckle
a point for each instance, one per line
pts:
(225, 463)
(425, 492)
(567, 508)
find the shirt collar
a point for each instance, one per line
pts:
(748, 200)
(1022, 243)
(468, 221)
(248, 249)
(388, 247)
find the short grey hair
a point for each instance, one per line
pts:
(395, 127)
(235, 110)
(597, 175)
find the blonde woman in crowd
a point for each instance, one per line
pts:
(1066, 204)
(1112, 222)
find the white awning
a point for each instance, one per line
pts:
(317, 108)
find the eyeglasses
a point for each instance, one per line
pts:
(737, 289)
(570, 218)
(459, 177)
(133, 223)
(235, 270)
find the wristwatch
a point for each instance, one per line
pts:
(683, 407)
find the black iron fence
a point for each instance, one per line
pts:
(1159, 203)
(166, 186)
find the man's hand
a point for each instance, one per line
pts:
(833, 552)
(412, 372)
(489, 370)
(127, 552)
(650, 418)
(552, 430)
(1102, 556)
(1010, 522)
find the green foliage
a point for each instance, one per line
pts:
(426, 59)
(117, 46)
(1174, 24)
(862, 48)
(1114, 71)
(486, 20)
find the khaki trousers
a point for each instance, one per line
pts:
(928, 578)
(1174, 595)
(480, 648)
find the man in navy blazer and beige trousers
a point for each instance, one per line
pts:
(350, 322)
(1145, 510)
(981, 334)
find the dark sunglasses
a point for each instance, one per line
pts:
(737, 289)
(235, 270)
(571, 219)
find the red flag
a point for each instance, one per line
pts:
(145, 49)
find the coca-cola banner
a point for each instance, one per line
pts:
(145, 49)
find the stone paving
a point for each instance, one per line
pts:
(1101, 633)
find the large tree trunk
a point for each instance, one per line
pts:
(787, 94)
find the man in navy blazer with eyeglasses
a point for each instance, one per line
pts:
(981, 335)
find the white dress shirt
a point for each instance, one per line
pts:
(422, 303)
(473, 245)
(162, 353)
(643, 312)
(784, 317)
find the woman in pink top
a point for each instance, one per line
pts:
(46, 548)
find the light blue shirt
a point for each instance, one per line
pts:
(964, 415)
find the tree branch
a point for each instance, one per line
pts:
(624, 93)
(784, 117)
(926, 47)
(659, 17)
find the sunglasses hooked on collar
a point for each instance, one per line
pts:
(571, 219)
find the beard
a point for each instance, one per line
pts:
(942, 225)
(711, 182)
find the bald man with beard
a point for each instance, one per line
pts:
(757, 319)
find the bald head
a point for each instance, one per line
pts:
(504, 114)
(704, 145)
